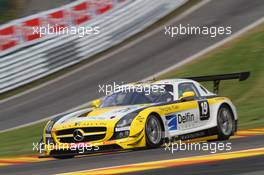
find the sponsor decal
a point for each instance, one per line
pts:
(181, 121)
(171, 122)
(140, 118)
(77, 124)
(166, 109)
(184, 118)
(187, 120)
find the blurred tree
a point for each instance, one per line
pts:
(8, 10)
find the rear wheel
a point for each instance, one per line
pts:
(225, 123)
(153, 132)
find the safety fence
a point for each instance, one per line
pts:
(30, 50)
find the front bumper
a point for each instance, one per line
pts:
(130, 142)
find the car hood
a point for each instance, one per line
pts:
(100, 114)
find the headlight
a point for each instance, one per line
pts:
(126, 120)
(49, 126)
(123, 126)
(49, 140)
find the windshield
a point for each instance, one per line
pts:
(134, 96)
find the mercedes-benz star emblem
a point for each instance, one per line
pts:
(78, 135)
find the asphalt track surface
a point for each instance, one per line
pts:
(131, 157)
(244, 166)
(147, 57)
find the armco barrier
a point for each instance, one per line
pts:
(54, 53)
(20, 33)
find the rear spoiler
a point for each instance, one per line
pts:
(241, 76)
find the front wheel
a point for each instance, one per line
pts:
(153, 132)
(225, 123)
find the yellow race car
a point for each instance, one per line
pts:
(144, 115)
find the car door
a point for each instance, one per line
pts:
(185, 116)
(188, 117)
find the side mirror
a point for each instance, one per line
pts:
(186, 96)
(96, 103)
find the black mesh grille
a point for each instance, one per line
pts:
(86, 139)
(86, 130)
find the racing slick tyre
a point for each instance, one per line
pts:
(225, 123)
(153, 132)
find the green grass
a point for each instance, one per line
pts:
(20, 141)
(244, 54)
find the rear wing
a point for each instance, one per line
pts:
(241, 76)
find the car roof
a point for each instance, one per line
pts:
(172, 81)
(164, 81)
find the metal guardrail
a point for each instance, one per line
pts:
(34, 62)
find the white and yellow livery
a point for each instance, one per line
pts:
(179, 109)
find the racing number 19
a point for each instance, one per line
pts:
(204, 109)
